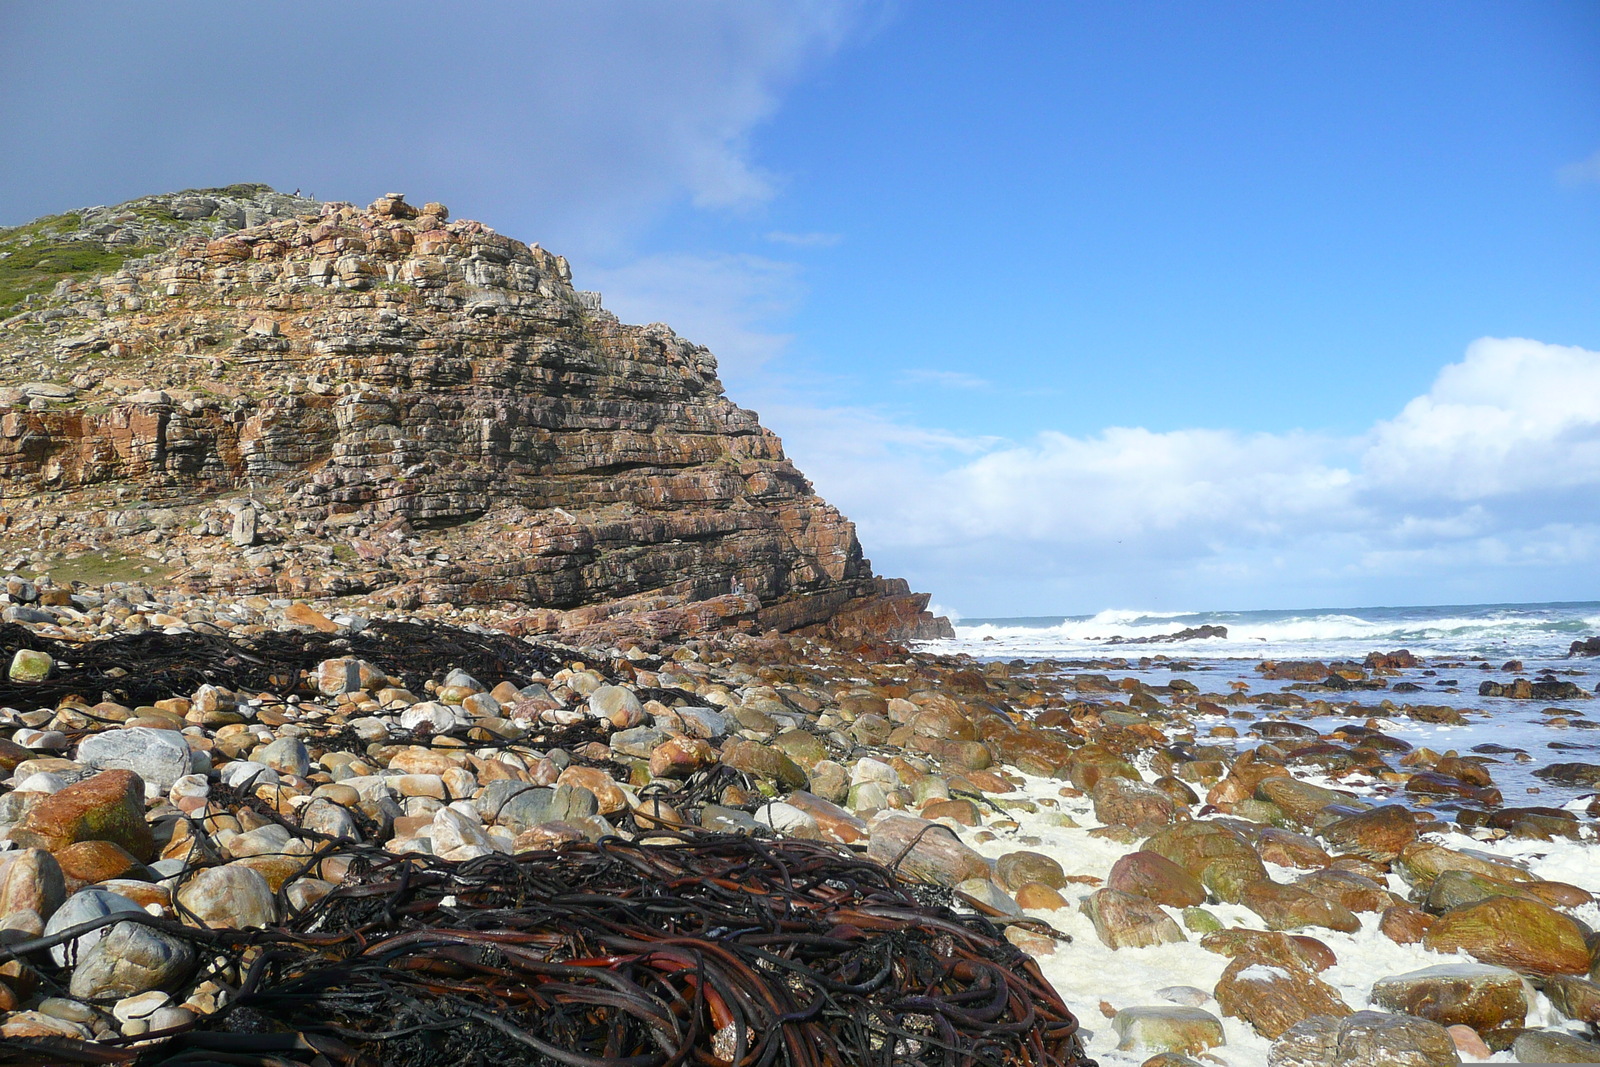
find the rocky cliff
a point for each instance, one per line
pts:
(238, 390)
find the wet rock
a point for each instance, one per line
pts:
(1469, 994)
(131, 959)
(1015, 869)
(1292, 907)
(1379, 834)
(1272, 997)
(1544, 1046)
(1364, 1039)
(1036, 896)
(1137, 805)
(1167, 1029)
(1262, 946)
(1404, 925)
(1510, 932)
(1422, 861)
(1151, 875)
(1455, 888)
(1575, 774)
(1300, 801)
(106, 807)
(1354, 892)
(961, 811)
(1289, 849)
(1221, 858)
(1576, 998)
(923, 851)
(1122, 920)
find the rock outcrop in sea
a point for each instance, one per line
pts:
(249, 392)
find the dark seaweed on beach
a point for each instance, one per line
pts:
(141, 668)
(705, 949)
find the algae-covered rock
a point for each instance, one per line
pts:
(1511, 932)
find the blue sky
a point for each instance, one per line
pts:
(1071, 306)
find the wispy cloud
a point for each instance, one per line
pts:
(729, 303)
(573, 124)
(1584, 172)
(947, 379)
(805, 240)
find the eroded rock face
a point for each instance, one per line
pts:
(424, 410)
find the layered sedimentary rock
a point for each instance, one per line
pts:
(390, 404)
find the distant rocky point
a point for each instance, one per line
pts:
(239, 390)
(1191, 633)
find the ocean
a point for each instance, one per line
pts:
(1497, 631)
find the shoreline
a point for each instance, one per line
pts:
(865, 747)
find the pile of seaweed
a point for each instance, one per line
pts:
(706, 949)
(144, 667)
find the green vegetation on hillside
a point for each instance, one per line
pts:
(36, 268)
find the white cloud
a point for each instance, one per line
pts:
(1584, 172)
(1492, 475)
(1514, 414)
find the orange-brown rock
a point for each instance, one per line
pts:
(1380, 834)
(1038, 896)
(679, 757)
(1156, 877)
(95, 861)
(1264, 946)
(1291, 907)
(1123, 920)
(1015, 869)
(1272, 997)
(31, 880)
(106, 807)
(1512, 932)
(606, 792)
(1403, 924)
(1289, 849)
(1220, 857)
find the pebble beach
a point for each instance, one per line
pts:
(1240, 862)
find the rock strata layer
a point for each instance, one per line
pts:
(315, 400)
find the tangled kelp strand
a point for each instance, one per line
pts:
(688, 949)
(147, 666)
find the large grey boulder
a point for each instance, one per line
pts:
(160, 757)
